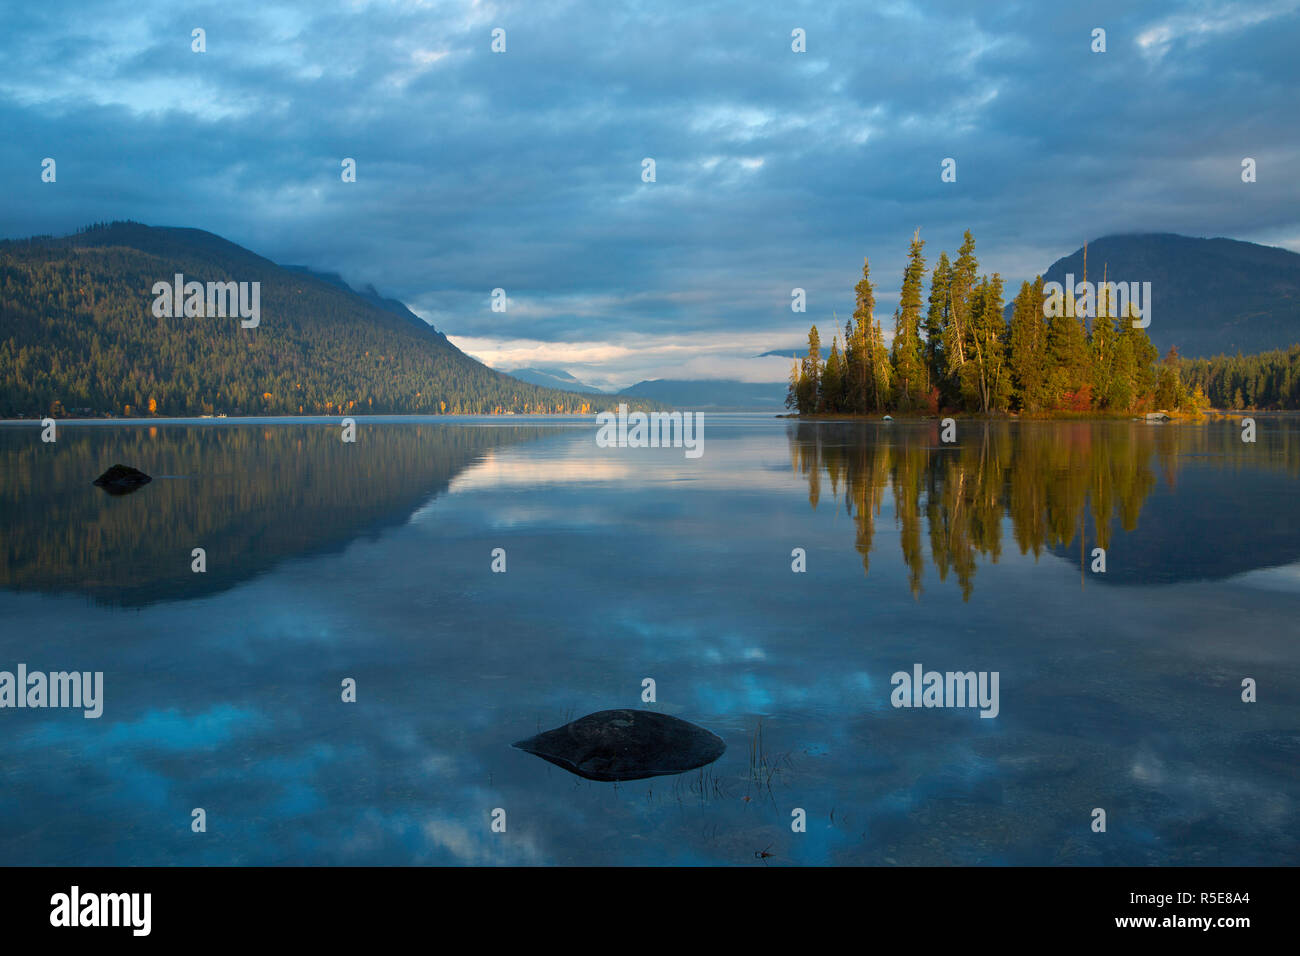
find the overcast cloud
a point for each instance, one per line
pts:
(522, 170)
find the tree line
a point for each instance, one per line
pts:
(957, 350)
(1269, 380)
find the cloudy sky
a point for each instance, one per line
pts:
(774, 169)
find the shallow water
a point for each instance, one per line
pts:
(372, 561)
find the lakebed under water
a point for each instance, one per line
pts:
(373, 561)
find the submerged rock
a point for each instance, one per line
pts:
(626, 745)
(121, 480)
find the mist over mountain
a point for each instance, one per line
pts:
(79, 335)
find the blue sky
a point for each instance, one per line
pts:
(774, 169)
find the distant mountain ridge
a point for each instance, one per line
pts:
(796, 353)
(1209, 296)
(711, 394)
(553, 378)
(78, 336)
(714, 394)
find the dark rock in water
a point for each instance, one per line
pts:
(626, 745)
(121, 480)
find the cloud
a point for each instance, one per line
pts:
(1196, 28)
(774, 170)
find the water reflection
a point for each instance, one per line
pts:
(626, 564)
(249, 495)
(1063, 487)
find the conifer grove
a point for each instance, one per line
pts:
(956, 350)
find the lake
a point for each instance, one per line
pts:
(1119, 690)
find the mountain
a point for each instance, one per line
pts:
(719, 395)
(78, 334)
(553, 378)
(711, 394)
(796, 352)
(370, 294)
(1209, 296)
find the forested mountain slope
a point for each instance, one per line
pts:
(78, 335)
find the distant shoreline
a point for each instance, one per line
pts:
(262, 419)
(1210, 414)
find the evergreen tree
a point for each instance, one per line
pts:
(936, 319)
(1102, 344)
(907, 358)
(1143, 375)
(1121, 390)
(1069, 384)
(792, 390)
(862, 379)
(881, 380)
(833, 379)
(810, 380)
(1170, 391)
(987, 368)
(1028, 348)
(956, 335)
(849, 391)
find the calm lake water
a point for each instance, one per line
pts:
(1119, 690)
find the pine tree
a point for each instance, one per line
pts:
(956, 336)
(1121, 393)
(936, 319)
(792, 391)
(1102, 342)
(987, 370)
(1028, 347)
(849, 392)
(833, 379)
(810, 398)
(862, 380)
(879, 368)
(1069, 383)
(1145, 354)
(908, 361)
(1170, 391)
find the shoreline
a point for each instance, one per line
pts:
(1209, 414)
(264, 419)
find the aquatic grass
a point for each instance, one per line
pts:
(764, 767)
